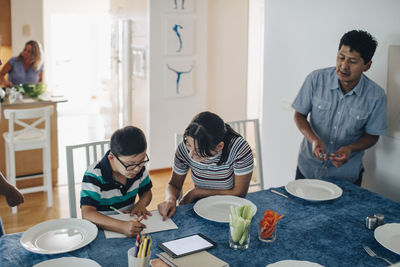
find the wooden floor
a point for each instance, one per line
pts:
(34, 210)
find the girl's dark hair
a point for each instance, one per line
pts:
(208, 130)
(128, 141)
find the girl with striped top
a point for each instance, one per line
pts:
(219, 159)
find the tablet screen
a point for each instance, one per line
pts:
(186, 245)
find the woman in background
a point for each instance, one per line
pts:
(25, 68)
(220, 160)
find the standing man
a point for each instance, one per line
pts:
(347, 113)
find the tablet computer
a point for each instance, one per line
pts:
(187, 245)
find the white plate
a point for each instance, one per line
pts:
(291, 263)
(388, 235)
(68, 262)
(58, 236)
(313, 189)
(217, 208)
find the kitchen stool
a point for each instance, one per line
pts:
(27, 138)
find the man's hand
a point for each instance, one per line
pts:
(341, 156)
(167, 208)
(318, 149)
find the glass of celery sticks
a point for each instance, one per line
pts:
(239, 226)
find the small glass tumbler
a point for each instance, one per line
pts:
(268, 239)
(239, 238)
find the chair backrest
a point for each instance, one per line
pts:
(79, 157)
(26, 128)
(250, 130)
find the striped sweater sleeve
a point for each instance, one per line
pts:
(244, 161)
(181, 165)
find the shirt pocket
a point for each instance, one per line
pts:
(320, 110)
(358, 118)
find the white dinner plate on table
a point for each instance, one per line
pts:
(313, 189)
(59, 236)
(291, 263)
(218, 208)
(388, 235)
(68, 262)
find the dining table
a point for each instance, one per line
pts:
(330, 233)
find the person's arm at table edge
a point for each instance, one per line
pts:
(13, 196)
(240, 189)
(128, 228)
(172, 192)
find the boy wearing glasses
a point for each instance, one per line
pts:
(116, 180)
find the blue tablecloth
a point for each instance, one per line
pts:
(330, 233)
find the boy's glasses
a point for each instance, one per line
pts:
(133, 166)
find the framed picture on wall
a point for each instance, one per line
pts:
(180, 36)
(179, 78)
(180, 6)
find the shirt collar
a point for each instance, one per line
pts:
(105, 167)
(357, 90)
(106, 171)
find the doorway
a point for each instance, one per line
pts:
(80, 66)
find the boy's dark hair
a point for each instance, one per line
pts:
(128, 141)
(361, 42)
(208, 130)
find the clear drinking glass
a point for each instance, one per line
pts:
(243, 241)
(269, 239)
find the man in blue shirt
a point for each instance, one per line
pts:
(347, 113)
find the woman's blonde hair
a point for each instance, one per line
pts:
(36, 54)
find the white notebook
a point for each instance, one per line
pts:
(153, 224)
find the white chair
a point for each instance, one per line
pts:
(249, 130)
(29, 137)
(79, 157)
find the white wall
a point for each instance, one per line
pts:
(227, 58)
(28, 13)
(170, 115)
(220, 78)
(301, 36)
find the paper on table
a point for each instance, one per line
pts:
(153, 224)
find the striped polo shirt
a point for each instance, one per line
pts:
(100, 190)
(208, 174)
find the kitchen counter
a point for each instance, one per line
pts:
(30, 162)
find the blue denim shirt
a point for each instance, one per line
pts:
(19, 75)
(338, 119)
